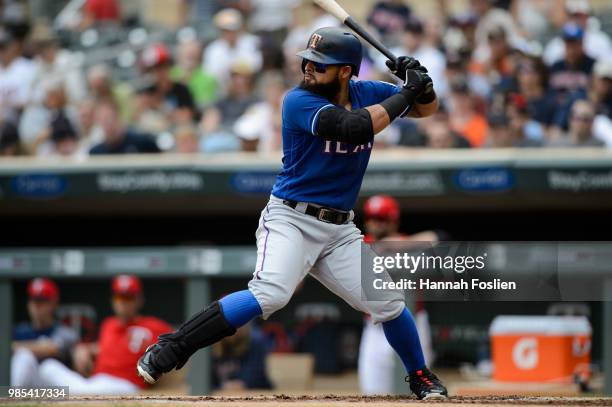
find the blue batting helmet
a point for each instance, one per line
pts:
(333, 46)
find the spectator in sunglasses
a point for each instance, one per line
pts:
(580, 132)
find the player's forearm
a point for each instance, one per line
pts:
(380, 118)
(425, 107)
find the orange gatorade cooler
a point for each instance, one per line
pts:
(540, 348)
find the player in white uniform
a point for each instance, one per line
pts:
(376, 363)
(328, 126)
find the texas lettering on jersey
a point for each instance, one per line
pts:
(320, 171)
(337, 147)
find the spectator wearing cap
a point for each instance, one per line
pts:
(172, 98)
(117, 139)
(233, 45)
(42, 338)
(188, 71)
(64, 138)
(597, 44)
(412, 42)
(259, 128)
(580, 132)
(106, 367)
(573, 72)
(9, 140)
(16, 76)
(570, 77)
(218, 121)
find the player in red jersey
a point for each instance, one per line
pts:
(382, 221)
(107, 367)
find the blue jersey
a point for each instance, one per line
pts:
(319, 171)
(64, 337)
(26, 332)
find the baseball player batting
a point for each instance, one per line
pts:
(328, 127)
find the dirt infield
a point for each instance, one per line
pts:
(315, 401)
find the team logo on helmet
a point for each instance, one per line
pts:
(314, 41)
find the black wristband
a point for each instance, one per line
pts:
(426, 98)
(398, 104)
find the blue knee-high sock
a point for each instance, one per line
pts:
(240, 307)
(402, 335)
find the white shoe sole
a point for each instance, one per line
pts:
(147, 377)
(435, 396)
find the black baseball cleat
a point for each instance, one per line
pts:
(426, 385)
(145, 366)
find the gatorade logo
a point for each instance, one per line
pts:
(525, 353)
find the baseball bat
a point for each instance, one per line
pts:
(333, 8)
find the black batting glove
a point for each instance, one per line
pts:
(402, 64)
(416, 84)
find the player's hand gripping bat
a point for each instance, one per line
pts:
(397, 66)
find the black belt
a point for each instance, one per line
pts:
(326, 215)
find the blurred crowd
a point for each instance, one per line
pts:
(509, 73)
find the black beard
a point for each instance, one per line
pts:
(327, 90)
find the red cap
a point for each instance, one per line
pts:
(43, 288)
(382, 207)
(126, 285)
(155, 55)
